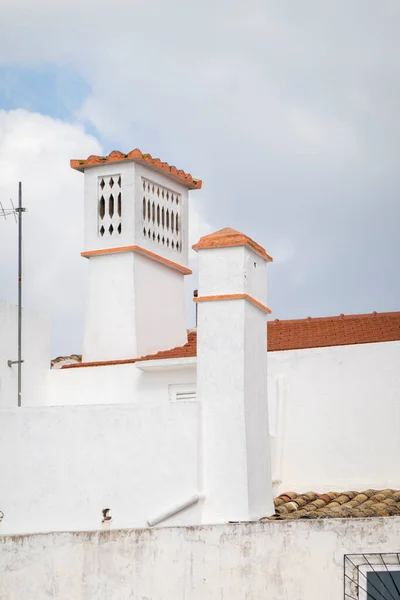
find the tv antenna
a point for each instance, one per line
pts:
(16, 212)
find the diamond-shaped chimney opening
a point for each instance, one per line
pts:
(111, 229)
(102, 184)
(111, 206)
(119, 181)
(119, 229)
(102, 208)
(102, 231)
(111, 182)
(161, 210)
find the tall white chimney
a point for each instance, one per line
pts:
(232, 378)
(136, 239)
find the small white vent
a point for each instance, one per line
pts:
(185, 392)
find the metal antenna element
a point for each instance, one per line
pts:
(17, 212)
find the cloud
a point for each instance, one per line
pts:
(36, 150)
(286, 110)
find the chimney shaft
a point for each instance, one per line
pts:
(136, 224)
(232, 378)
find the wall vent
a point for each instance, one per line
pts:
(184, 392)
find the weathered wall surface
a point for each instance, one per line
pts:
(36, 356)
(335, 417)
(274, 560)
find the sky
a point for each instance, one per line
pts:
(288, 112)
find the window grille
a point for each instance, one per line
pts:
(372, 576)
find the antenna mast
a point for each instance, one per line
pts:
(14, 212)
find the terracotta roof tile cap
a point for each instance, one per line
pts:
(136, 155)
(224, 238)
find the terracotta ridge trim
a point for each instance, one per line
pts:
(227, 238)
(137, 156)
(260, 251)
(101, 363)
(336, 318)
(139, 250)
(234, 297)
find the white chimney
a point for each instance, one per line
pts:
(136, 239)
(232, 378)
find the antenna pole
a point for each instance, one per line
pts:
(20, 210)
(5, 212)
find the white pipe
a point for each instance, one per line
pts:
(280, 425)
(174, 510)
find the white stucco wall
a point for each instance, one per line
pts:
(274, 560)
(335, 417)
(334, 412)
(61, 466)
(36, 356)
(135, 306)
(116, 384)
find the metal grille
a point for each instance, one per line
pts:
(372, 576)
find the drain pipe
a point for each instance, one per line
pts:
(196, 295)
(174, 510)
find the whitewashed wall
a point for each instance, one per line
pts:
(334, 422)
(117, 384)
(335, 417)
(61, 466)
(274, 560)
(36, 356)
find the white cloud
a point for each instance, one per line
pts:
(287, 110)
(36, 150)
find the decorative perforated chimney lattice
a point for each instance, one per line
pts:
(109, 206)
(161, 215)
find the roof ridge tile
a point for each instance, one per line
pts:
(144, 158)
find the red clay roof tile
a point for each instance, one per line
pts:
(136, 155)
(372, 503)
(298, 334)
(333, 331)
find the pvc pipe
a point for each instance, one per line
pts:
(174, 510)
